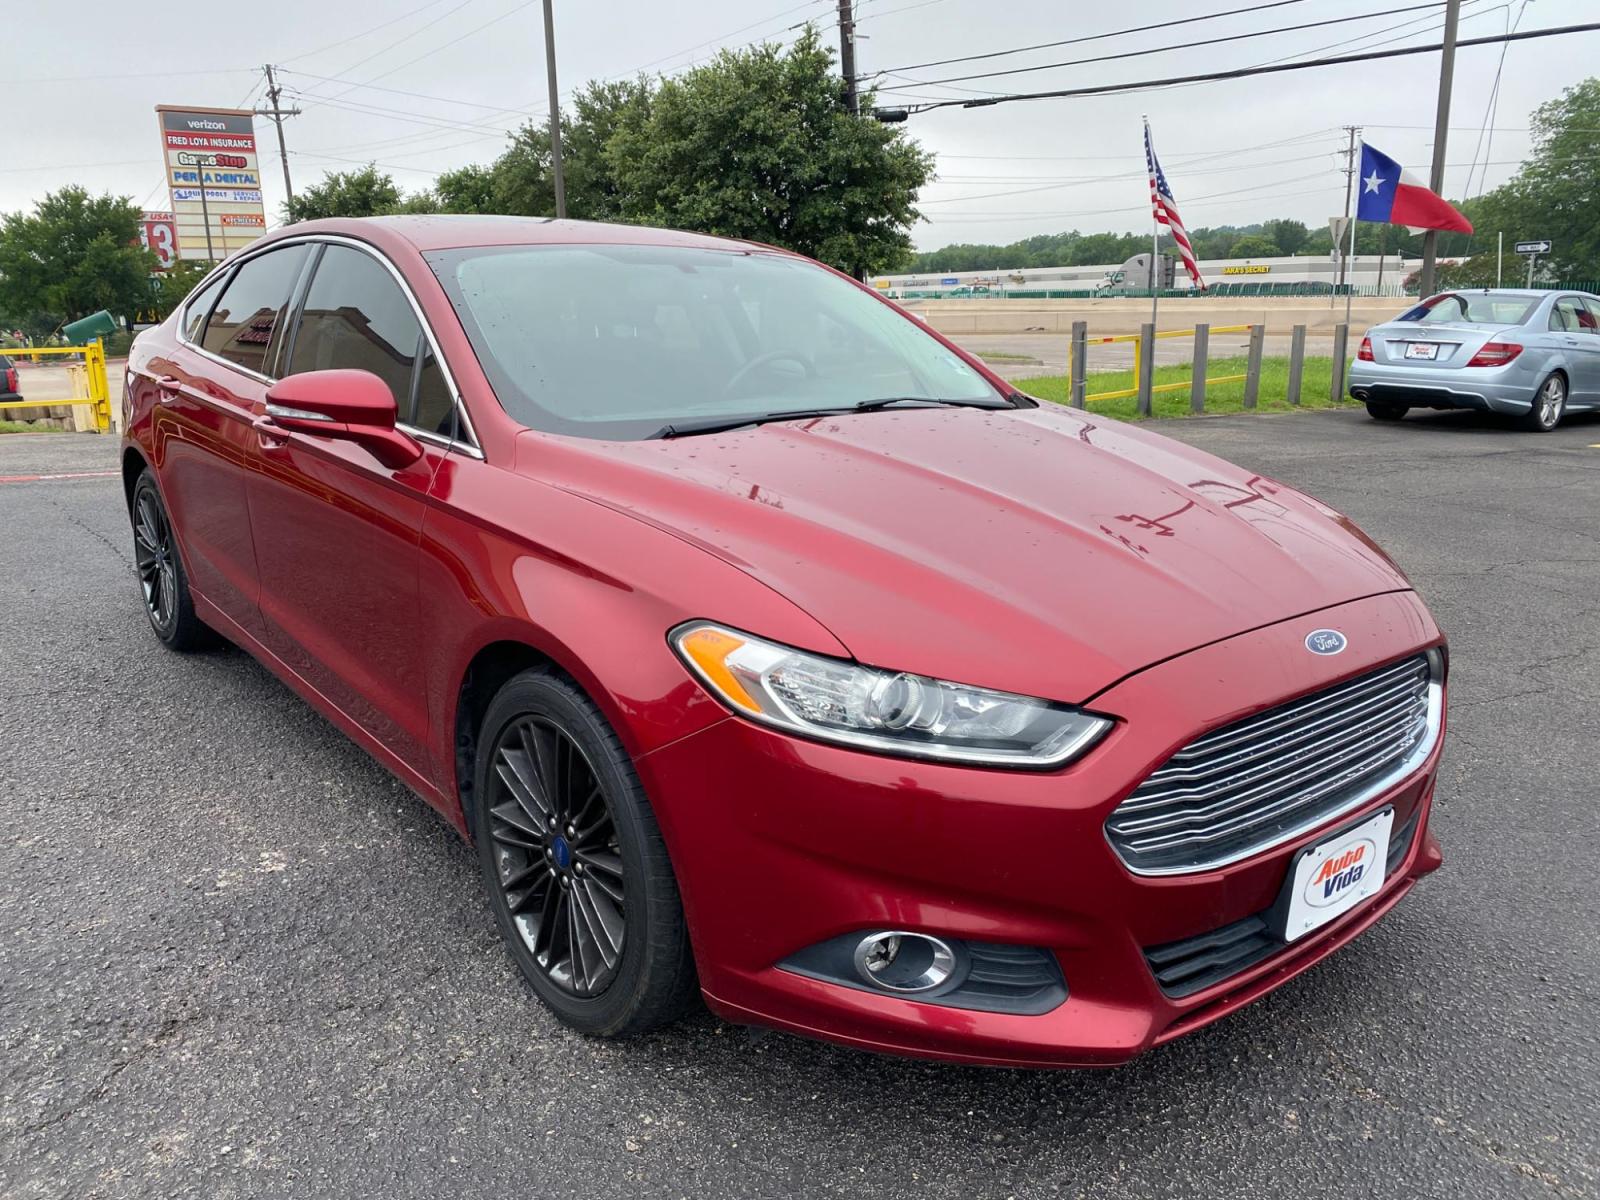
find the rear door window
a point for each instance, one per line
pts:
(248, 318)
(1569, 316)
(356, 317)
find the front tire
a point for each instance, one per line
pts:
(574, 863)
(1386, 412)
(161, 576)
(1549, 405)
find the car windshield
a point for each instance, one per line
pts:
(623, 341)
(1482, 308)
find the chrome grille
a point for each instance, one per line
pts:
(1260, 781)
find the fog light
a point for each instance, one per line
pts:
(898, 961)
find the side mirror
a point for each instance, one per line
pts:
(353, 406)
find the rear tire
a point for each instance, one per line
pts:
(156, 558)
(574, 863)
(1549, 405)
(1379, 411)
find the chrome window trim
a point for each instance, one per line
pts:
(1392, 778)
(468, 446)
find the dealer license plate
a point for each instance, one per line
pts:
(1428, 350)
(1334, 876)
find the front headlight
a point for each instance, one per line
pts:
(887, 711)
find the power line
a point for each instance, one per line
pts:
(715, 40)
(476, 29)
(1236, 37)
(903, 8)
(392, 45)
(1093, 37)
(1267, 69)
(402, 92)
(367, 32)
(364, 109)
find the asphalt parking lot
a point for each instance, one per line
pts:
(237, 959)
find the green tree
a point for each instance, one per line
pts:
(367, 192)
(469, 189)
(1289, 236)
(73, 255)
(1254, 245)
(175, 284)
(1475, 272)
(1552, 196)
(758, 144)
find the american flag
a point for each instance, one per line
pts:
(1166, 210)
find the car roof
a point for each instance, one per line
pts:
(442, 231)
(1524, 293)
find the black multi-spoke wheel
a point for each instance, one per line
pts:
(166, 588)
(556, 853)
(154, 558)
(577, 872)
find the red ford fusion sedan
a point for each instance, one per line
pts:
(769, 648)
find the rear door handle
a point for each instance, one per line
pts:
(166, 389)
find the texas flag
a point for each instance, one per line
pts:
(1388, 192)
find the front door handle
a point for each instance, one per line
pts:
(272, 435)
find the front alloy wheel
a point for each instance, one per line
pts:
(577, 871)
(556, 855)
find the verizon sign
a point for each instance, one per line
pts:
(214, 179)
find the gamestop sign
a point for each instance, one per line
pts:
(214, 179)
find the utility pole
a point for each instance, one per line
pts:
(555, 112)
(847, 53)
(1441, 130)
(277, 112)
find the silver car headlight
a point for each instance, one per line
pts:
(891, 712)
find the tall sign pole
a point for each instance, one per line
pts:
(555, 111)
(1441, 131)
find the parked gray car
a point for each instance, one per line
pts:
(1532, 355)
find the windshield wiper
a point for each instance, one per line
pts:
(931, 401)
(746, 420)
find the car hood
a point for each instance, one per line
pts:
(1032, 550)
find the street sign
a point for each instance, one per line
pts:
(1338, 226)
(1541, 247)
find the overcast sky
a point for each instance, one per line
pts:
(420, 88)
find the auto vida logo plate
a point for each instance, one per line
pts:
(1326, 641)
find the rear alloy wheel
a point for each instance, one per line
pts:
(161, 577)
(577, 873)
(1386, 412)
(1548, 405)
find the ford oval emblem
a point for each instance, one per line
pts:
(1326, 641)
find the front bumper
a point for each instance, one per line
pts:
(1509, 390)
(780, 844)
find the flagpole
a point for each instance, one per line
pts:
(1349, 216)
(1155, 235)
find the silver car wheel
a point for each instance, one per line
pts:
(1552, 400)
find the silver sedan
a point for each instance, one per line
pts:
(1532, 355)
